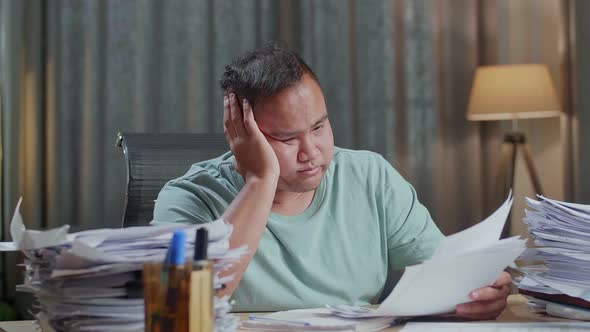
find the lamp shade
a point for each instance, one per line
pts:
(512, 92)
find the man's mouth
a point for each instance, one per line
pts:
(309, 171)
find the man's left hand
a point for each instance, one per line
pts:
(488, 302)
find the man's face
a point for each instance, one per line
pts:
(295, 123)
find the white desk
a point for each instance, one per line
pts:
(19, 326)
(516, 311)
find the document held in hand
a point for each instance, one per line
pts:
(462, 262)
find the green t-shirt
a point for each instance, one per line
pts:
(364, 221)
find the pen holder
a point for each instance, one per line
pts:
(178, 298)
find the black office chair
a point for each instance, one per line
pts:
(153, 159)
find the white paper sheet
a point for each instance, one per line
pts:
(23, 239)
(466, 261)
(496, 327)
(314, 320)
(117, 238)
(478, 236)
(439, 285)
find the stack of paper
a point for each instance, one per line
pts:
(562, 256)
(320, 319)
(461, 263)
(91, 280)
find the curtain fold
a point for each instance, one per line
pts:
(581, 100)
(21, 70)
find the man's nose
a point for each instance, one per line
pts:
(308, 150)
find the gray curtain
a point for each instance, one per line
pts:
(581, 100)
(80, 71)
(396, 75)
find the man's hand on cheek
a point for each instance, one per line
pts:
(489, 301)
(254, 156)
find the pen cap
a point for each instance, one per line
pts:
(177, 247)
(201, 243)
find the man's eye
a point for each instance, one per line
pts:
(288, 140)
(318, 128)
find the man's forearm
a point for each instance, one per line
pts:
(248, 214)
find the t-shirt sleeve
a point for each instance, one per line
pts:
(412, 235)
(196, 198)
(181, 201)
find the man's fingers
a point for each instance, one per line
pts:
(228, 127)
(481, 308)
(483, 316)
(489, 293)
(489, 301)
(249, 121)
(236, 115)
(503, 279)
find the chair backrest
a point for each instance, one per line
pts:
(153, 159)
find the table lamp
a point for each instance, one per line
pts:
(513, 92)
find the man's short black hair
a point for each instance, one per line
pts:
(264, 72)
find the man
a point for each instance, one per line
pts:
(324, 225)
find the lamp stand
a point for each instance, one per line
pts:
(513, 142)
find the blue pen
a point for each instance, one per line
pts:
(172, 270)
(177, 249)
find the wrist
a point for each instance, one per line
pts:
(269, 180)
